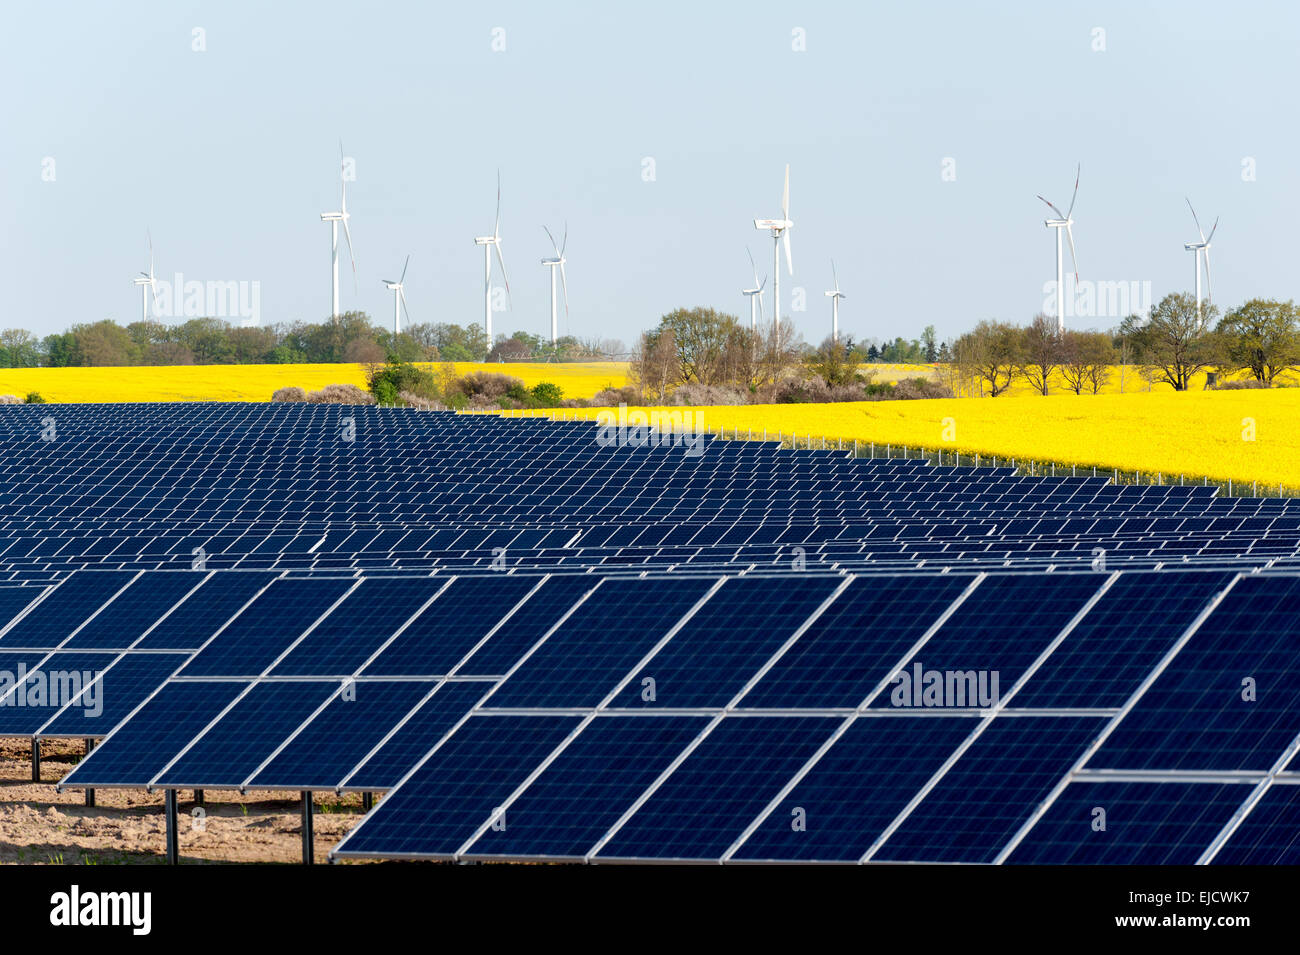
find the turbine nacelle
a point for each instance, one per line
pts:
(487, 240)
(775, 225)
(1058, 223)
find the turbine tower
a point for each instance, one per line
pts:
(1059, 223)
(147, 283)
(835, 296)
(779, 229)
(334, 218)
(1199, 249)
(399, 295)
(553, 264)
(490, 242)
(755, 293)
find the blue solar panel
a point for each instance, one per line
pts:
(439, 638)
(135, 610)
(66, 608)
(232, 748)
(266, 628)
(1001, 628)
(1107, 656)
(977, 806)
(722, 786)
(584, 659)
(13, 600)
(204, 612)
(851, 647)
(121, 688)
(725, 643)
(357, 627)
(416, 736)
(566, 810)
(1166, 823)
(1269, 834)
(1199, 714)
(325, 750)
(144, 744)
(459, 786)
(855, 790)
(517, 635)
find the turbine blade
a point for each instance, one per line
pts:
(564, 243)
(1054, 209)
(504, 277)
(552, 238)
(1209, 292)
(1212, 228)
(789, 262)
(752, 265)
(1196, 220)
(835, 277)
(1077, 170)
(347, 234)
(785, 194)
(403, 278)
(564, 283)
(401, 293)
(1069, 234)
(496, 223)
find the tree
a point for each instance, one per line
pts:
(654, 368)
(1172, 343)
(19, 348)
(830, 362)
(1262, 336)
(990, 354)
(928, 339)
(1086, 359)
(701, 336)
(1040, 352)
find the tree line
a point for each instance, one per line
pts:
(1173, 345)
(351, 337)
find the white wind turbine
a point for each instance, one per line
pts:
(490, 242)
(835, 296)
(780, 231)
(1059, 223)
(399, 295)
(754, 294)
(334, 218)
(553, 264)
(1199, 249)
(147, 284)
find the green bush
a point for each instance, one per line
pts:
(548, 394)
(33, 398)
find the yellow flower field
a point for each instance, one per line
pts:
(257, 382)
(1201, 434)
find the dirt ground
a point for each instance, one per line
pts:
(40, 826)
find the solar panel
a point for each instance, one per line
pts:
(583, 660)
(1226, 700)
(975, 807)
(1130, 823)
(119, 689)
(132, 611)
(1269, 834)
(64, 609)
(234, 746)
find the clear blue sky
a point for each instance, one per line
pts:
(230, 155)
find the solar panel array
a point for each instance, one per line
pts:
(552, 648)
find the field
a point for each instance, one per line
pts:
(257, 382)
(1198, 434)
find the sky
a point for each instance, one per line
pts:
(917, 134)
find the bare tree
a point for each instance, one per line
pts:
(990, 354)
(1040, 353)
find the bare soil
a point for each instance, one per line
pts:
(126, 826)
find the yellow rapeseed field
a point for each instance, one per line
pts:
(257, 382)
(1238, 435)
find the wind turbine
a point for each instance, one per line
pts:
(399, 295)
(835, 296)
(780, 231)
(334, 218)
(146, 280)
(755, 293)
(490, 242)
(1198, 249)
(553, 264)
(1059, 223)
